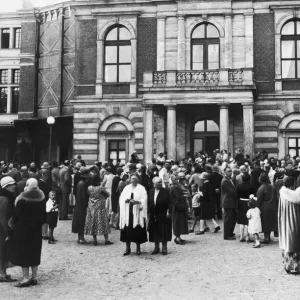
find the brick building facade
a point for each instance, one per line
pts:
(158, 76)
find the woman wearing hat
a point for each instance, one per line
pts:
(179, 196)
(266, 202)
(82, 199)
(29, 216)
(133, 215)
(7, 199)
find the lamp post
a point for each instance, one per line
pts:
(50, 121)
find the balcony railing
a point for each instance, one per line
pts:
(204, 78)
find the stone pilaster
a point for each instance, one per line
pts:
(224, 126)
(248, 122)
(99, 72)
(228, 41)
(161, 35)
(249, 40)
(181, 43)
(148, 133)
(171, 131)
(133, 66)
(278, 83)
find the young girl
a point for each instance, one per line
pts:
(254, 226)
(195, 206)
(52, 215)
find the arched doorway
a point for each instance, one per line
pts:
(205, 136)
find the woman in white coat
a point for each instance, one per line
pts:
(133, 215)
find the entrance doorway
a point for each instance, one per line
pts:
(205, 136)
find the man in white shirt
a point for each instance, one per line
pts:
(164, 174)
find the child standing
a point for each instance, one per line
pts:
(195, 206)
(254, 226)
(52, 215)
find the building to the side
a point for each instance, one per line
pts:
(158, 76)
(10, 41)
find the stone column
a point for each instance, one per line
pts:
(278, 84)
(224, 126)
(99, 75)
(228, 41)
(249, 40)
(9, 91)
(248, 122)
(181, 43)
(133, 66)
(11, 38)
(171, 131)
(161, 28)
(148, 133)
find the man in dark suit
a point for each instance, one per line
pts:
(66, 188)
(215, 180)
(229, 204)
(159, 210)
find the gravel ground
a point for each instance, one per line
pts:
(207, 267)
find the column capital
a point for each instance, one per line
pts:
(161, 17)
(224, 105)
(249, 14)
(171, 106)
(248, 105)
(181, 17)
(148, 107)
(228, 15)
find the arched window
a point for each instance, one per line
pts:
(206, 126)
(290, 50)
(205, 47)
(117, 55)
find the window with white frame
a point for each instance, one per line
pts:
(205, 47)
(290, 50)
(117, 55)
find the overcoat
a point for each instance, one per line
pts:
(179, 211)
(6, 212)
(82, 200)
(28, 218)
(266, 202)
(159, 226)
(244, 190)
(206, 202)
(228, 193)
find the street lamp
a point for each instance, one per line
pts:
(50, 121)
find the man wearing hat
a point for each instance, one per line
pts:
(66, 188)
(134, 157)
(22, 183)
(7, 197)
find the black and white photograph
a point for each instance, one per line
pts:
(150, 149)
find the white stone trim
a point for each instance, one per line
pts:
(115, 119)
(211, 20)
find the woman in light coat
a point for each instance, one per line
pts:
(133, 215)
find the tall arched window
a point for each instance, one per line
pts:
(117, 55)
(205, 47)
(290, 50)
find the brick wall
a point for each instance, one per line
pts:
(264, 52)
(146, 46)
(27, 75)
(86, 54)
(28, 37)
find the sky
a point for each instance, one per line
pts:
(13, 5)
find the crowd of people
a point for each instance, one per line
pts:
(149, 202)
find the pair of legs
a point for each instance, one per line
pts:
(196, 219)
(51, 237)
(3, 264)
(256, 240)
(26, 276)
(64, 206)
(45, 230)
(244, 235)
(81, 239)
(164, 248)
(114, 216)
(229, 222)
(107, 241)
(128, 249)
(267, 237)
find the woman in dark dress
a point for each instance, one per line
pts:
(82, 200)
(244, 190)
(206, 205)
(133, 215)
(115, 196)
(266, 202)
(7, 200)
(29, 216)
(160, 222)
(179, 196)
